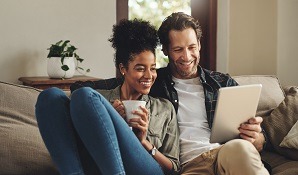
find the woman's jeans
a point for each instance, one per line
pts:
(86, 135)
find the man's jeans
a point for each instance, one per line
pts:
(86, 135)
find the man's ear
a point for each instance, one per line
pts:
(164, 50)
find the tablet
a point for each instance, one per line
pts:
(235, 105)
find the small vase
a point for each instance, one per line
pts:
(54, 67)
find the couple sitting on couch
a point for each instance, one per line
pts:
(87, 134)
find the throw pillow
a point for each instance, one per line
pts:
(280, 121)
(291, 139)
(22, 150)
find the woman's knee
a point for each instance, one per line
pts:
(82, 93)
(51, 97)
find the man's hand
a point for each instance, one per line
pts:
(252, 132)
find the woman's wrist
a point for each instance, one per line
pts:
(147, 145)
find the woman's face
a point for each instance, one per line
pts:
(140, 74)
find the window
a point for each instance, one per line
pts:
(156, 11)
(203, 10)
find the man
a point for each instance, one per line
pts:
(193, 91)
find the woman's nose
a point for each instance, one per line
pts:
(148, 74)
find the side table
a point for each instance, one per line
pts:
(44, 82)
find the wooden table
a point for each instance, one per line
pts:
(44, 82)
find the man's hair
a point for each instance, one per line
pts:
(131, 37)
(177, 21)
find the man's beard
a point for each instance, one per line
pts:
(185, 73)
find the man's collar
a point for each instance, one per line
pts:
(201, 74)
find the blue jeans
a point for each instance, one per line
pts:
(86, 135)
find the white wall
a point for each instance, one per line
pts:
(28, 27)
(253, 37)
(258, 37)
(287, 52)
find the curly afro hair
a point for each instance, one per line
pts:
(131, 37)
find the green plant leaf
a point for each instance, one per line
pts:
(59, 42)
(62, 59)
(64, 49)
(64, 43)
(65, 67)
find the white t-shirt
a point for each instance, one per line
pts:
(192, 119)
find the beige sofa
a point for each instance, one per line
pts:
(22, 150)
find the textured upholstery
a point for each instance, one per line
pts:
(22, 150)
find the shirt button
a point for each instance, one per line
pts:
(172, 83)
(175, 101)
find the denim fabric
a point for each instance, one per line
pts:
(90, 119)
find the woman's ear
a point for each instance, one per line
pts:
(122, 69)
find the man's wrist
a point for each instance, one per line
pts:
(265, 139)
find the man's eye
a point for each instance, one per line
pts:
(153, 69)
(177, 50)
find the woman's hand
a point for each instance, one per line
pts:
(118, 105)
(140, 124)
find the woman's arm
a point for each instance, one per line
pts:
(140, 127)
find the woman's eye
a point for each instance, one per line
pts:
(140, 69)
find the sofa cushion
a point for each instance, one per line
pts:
(291, 139)
(280, 121)
(272, 94)
(280, 165)
(22, 150)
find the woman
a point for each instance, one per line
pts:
(87, 135)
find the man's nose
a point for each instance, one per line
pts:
(186, 55)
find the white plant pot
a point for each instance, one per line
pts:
(54, 67)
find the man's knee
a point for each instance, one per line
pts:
(238, 150)
(240, 147)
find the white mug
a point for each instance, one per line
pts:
(132, 105)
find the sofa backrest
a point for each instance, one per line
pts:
(272, 93)
(22, 150)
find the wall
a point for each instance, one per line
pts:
(258, 37)
(253, 29)
(287, 52)
(28, 27)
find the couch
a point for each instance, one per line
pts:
(22, 150)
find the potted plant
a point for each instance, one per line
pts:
(63, 60)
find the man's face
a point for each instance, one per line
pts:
(184, 53)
